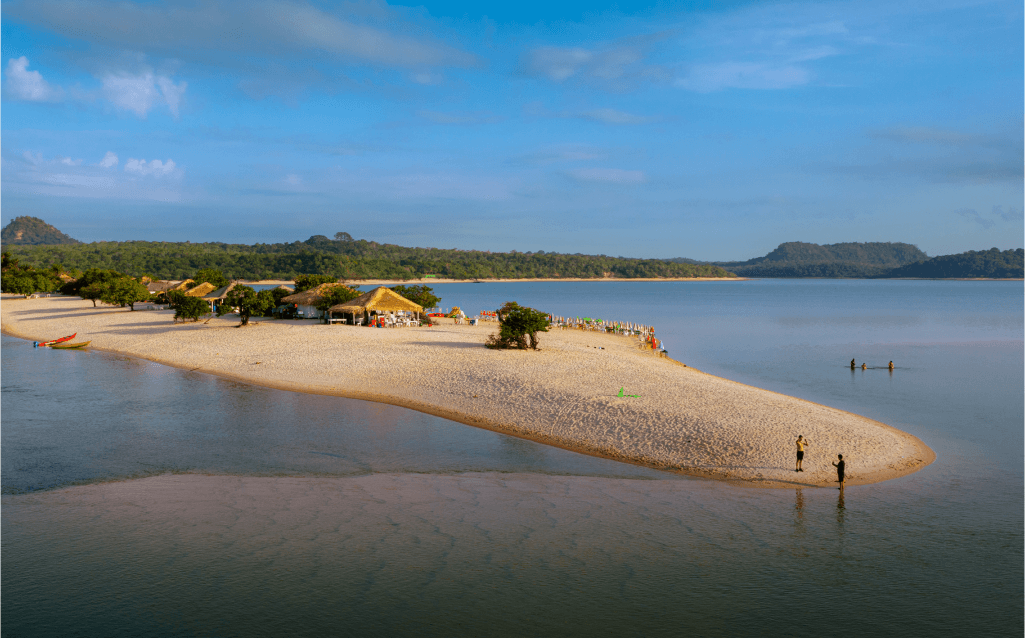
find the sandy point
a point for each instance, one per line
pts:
(671, 417)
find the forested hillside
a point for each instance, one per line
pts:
(346, 258)
(852, 259)
(32, 231)
(990, 264)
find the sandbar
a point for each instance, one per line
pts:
(566, 394)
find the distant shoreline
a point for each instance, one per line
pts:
(432, 280)
(672, 418)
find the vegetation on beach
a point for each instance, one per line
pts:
(518, 327)
(246, 302)
(187, 308)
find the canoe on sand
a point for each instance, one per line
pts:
(70, 346)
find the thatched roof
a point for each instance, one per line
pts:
(183, 285)
(160, 286)
(220, 293)
(200, 290)
(309, 297)
(380, 299)
(284, 287)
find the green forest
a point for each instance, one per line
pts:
(344, 258)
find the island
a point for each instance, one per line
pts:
(568, 394)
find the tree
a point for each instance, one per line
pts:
(123, 292)
(343, 237)
(517, 324)
(186, 307)
(210, 275)
(306, 282)
(336, 295)
(420, 295)
(248, 302)
(91, 283)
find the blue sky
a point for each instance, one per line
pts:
(711, 130)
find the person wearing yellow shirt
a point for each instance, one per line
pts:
(801, 443)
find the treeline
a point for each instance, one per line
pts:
(347, 259)
(34, 231)
(988, 264)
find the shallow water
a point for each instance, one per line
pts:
(435, 528)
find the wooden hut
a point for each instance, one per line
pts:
(306, 301)
(379, 301)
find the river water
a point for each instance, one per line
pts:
(399, 523)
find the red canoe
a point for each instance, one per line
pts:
(61, 340)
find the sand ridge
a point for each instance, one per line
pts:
(566, 394)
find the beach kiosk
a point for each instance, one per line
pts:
(306, 301)
(380, 305)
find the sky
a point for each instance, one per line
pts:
(709, 130)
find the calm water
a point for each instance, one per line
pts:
(442, 529)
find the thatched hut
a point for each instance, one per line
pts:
(201, 290)
(306, 301)
(379, 301)
(216, 297)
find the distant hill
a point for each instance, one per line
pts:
(32, 231)
(874, 260)
(852, 259)
(988, 264)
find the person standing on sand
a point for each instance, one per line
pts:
(801, 442)
(839, 470)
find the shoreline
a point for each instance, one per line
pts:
(694, 423)
(432, 280)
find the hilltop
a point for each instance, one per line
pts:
(32, 231)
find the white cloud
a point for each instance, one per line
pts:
(23, 84)
(139, 93)
(293, 180)
(153, 167)
(109, 160)
(609, 175)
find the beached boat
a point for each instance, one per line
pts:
(70, 346)
(61, 340)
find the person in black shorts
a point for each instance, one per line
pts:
(839, 470)
(801, 442)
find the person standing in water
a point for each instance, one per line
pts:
(852, 364)
(839, 465)
(801, 442)
(891, 365)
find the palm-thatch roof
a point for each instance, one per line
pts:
(183, 285)
(380, 299)
(309, 297)
(220, 293)
(202, 289)
(160, 286)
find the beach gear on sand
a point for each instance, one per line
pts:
(621, 395)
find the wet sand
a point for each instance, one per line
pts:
(566, 394)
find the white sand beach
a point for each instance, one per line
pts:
(566, 394)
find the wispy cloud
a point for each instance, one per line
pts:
(617, 65)
(61, 176)
(705, 78)
(607, 175)
(463, 118)
(270, 27)
(22, 84)
(612, 116)
(997, 214)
